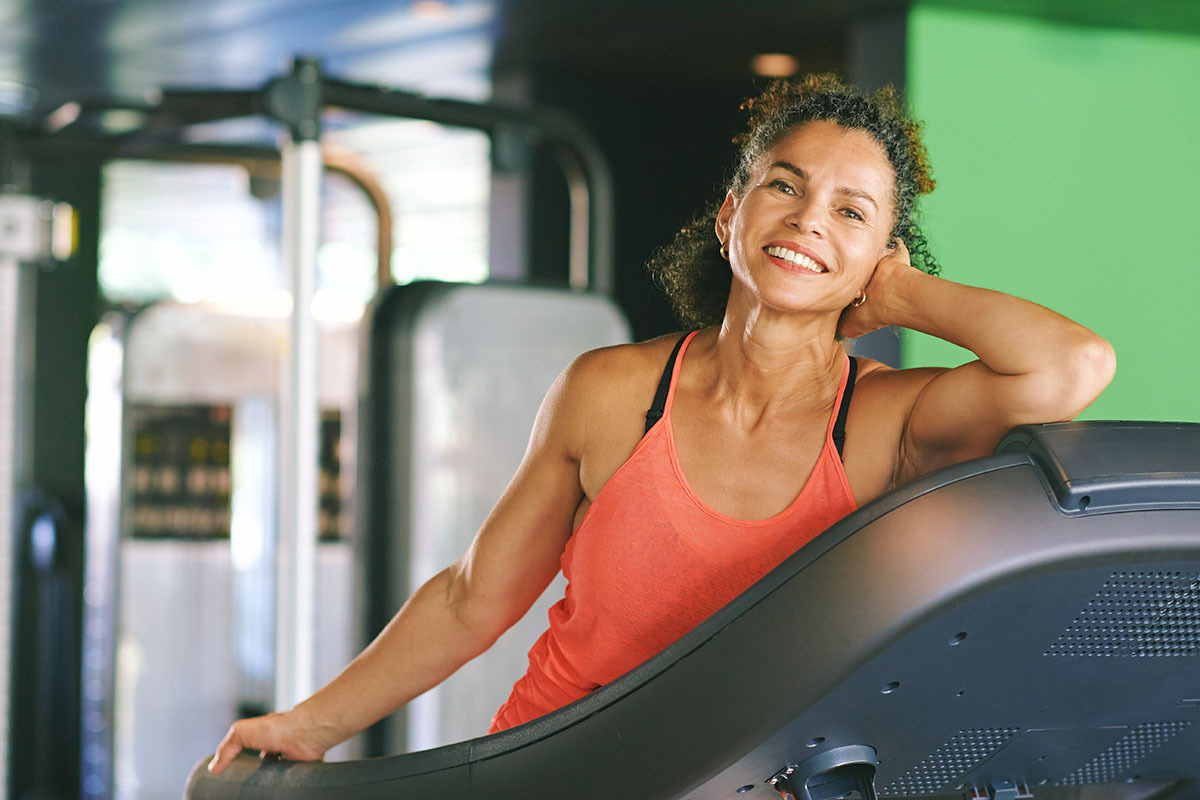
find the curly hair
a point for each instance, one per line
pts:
(691, 270)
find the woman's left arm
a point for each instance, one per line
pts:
(1034, 365)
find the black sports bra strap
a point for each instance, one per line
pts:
(664, 386)
(839, 425)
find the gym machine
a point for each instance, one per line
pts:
(296, 101)
(1022, 625)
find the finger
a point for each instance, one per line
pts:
(226, 751)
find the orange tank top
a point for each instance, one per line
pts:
(650, 561)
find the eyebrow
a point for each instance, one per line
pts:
(842, 190)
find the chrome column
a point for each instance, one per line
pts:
(15, 293)
(298, 106)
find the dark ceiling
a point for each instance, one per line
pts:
(83, 49)
(68, 49)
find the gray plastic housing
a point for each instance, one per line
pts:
(1089, 467)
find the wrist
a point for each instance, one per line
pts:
(901, 299)
(318, 722)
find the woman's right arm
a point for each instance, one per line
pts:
(458, 613)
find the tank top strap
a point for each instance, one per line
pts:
(664, 384)
(839, 424)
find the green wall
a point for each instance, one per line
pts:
(1068, 169)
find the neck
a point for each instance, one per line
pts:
(763, 358)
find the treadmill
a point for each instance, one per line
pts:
(1021, 625)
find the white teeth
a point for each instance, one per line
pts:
(799, 259)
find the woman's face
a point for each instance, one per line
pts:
(814, 220)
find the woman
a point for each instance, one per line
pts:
(762, 434)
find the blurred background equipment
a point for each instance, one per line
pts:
(182, 579)
(212, 525)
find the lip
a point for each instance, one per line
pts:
(795, 247)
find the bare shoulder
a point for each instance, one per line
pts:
(651, 353)
(605, 395)
(887, 394)
(877, 377)
(619, 373)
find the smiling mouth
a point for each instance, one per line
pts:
(799, 259)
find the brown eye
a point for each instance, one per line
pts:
(782, 186)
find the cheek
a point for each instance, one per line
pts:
(737, 232)
(861, 260)
(873, 245)
(863, 242)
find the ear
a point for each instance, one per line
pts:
(725, 217)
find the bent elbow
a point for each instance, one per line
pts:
(474, 626)
(1096, 363)
(1067, 384)
(1086, 370)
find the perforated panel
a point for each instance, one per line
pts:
(1114, 762)
(1137, 614)
(957, 757)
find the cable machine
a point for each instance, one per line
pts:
(296, 101)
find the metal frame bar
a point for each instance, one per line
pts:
(15, 289)
(262, 162)
(295, 101)
(589, 180)
(105, 420)
(296, 570)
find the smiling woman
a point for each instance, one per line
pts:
(689, 269)
(834, 192)
(761, 434)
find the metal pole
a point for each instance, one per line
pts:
(12, 292)
(301, 189)
(579, 198)
(102, 546)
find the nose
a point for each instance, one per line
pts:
(805, 215)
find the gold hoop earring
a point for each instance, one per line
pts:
(858, 301)
(724, 251)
